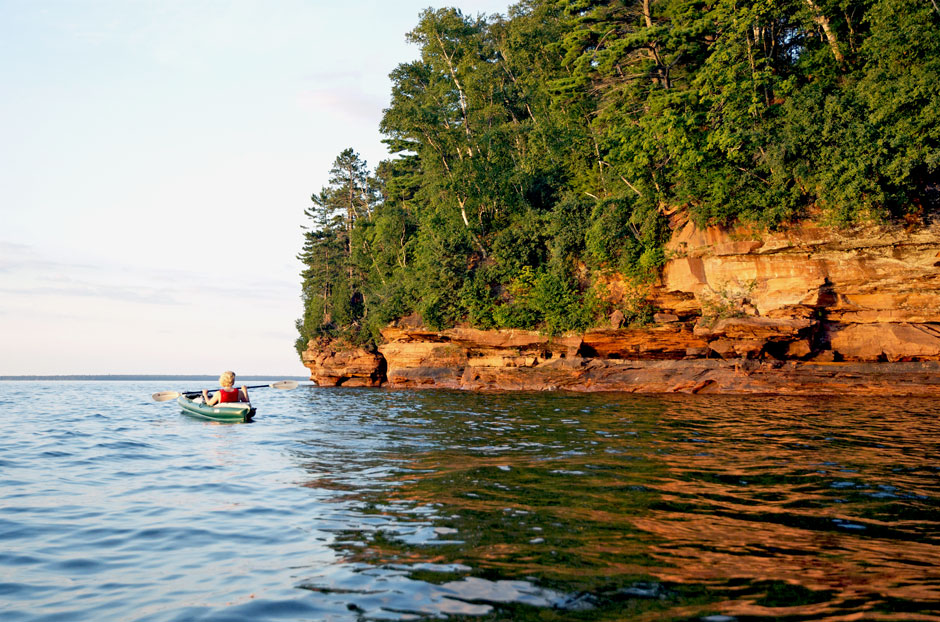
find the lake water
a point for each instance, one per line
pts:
(361, 504)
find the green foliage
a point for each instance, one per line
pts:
(476, 297)
(547, 299)
(626, 236)
(536, 149)
(555, 297)
(566, 227)
(521, 243)
(608, 234)
(334, 271)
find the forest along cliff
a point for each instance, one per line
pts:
(809, 310)
(642, 196)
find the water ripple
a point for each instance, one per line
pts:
(378, 505)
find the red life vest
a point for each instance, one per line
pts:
(229, 395)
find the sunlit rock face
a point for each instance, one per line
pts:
(811, 309)
(451, 358)
(864, 269)
(334, 364)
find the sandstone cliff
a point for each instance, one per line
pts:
(808, 310)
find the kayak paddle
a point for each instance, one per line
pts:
(165, 396)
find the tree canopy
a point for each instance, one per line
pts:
(537, 150)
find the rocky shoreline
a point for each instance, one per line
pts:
(807, 311)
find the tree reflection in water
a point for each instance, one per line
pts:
(559, 506)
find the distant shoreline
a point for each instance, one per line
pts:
(139, 377)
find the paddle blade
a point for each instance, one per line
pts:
(165, 396)
(285, 385)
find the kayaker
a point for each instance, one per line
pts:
(227, 393)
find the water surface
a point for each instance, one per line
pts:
(355, 504)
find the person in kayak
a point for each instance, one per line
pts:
(228, 392)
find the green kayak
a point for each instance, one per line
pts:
(230, 412)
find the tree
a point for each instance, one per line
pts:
(332, 284)
(350, 196)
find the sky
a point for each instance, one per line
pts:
(156, 159)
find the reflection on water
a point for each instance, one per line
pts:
(550, 506)
(347, 505)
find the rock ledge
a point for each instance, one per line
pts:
(811, 310)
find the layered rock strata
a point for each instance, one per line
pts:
(808, 310)
(332, 364)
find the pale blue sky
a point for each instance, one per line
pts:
(156, 160)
